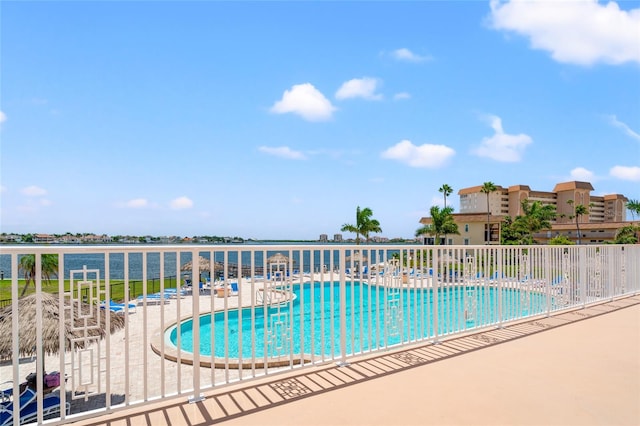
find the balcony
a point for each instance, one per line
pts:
(301, 306)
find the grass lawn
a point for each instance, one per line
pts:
(117, 288)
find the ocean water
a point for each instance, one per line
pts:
(304, 260)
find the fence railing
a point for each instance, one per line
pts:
(242, 312)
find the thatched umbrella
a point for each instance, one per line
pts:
(278, 263)
(74, 327)
(203, 263)
(278, 258)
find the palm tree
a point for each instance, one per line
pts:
(446, 191)
(364, 224)
(536, 217)
(626, 235)
(578, 210)
(441, 223)
(487, 188)
(28, 266)
(634, 208)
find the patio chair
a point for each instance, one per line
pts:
(173, 292)
(27, 396)
(29, 408)
(118, 307)
(155, 298)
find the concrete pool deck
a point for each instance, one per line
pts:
(579, 367)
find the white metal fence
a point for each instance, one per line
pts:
(197, 317)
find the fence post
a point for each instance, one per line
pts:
(195, 321)
(343, 312)
(499, 288)
(582, 264)
(435, 285)
(548, 251)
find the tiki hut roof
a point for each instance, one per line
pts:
(278, 258)
(203, 263)
(77, 318)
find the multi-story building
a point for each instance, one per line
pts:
(606, 215)
(337, 238)
(324, 238)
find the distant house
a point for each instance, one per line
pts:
(43, 238)
(10, 238)
(70, 239)
(96, 239)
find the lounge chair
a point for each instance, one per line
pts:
(118, 307)
(234, 289)
(173, 292)
(29, 408)
(155, 298)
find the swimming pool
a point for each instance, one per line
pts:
(376, 317)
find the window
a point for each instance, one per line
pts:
(466, 241)
(466, 227)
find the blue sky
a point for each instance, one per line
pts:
(276, 119)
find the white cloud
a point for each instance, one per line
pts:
(626, 173)
(34, 191)
(45, 202)
(582, 174)
(502, 146)
(3, 189)
(426, 156)
(613, 120)
(181, 203)
(283, 152)
(405, 54)
(401, 95)
(576, 32)
(364, 87)
(306, 101)
(3, 117)
(137, 203)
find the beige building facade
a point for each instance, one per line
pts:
(607, 213)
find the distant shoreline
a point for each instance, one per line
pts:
(245, 242)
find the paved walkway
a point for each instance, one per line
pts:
(576, 368)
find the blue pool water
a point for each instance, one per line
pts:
(376, 317)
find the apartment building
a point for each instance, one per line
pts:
(607, 213)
